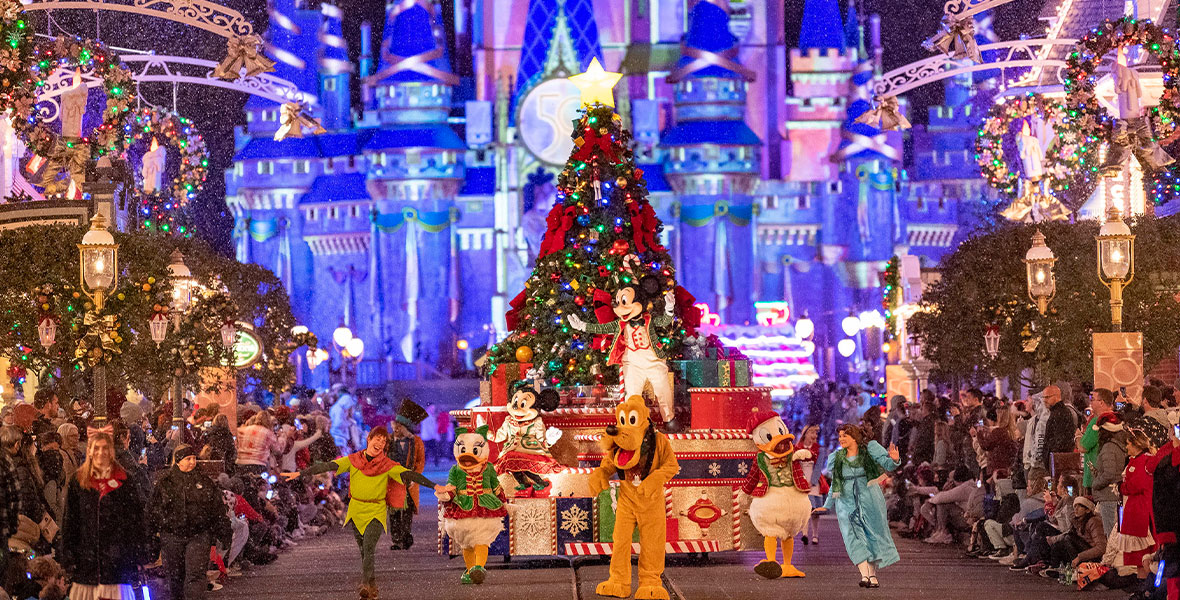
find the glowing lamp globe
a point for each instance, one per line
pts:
(804, 328)
(1116, 248)
(1038, 262)
(182, 282)
(355, 348)
(850, 325)
(341, 336)
(98, 256)
(846, 347)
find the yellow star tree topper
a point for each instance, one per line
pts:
(596, 84)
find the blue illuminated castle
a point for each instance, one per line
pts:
(414, 219)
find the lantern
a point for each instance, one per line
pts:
(47, 331)
(98, 257)
(850, 325)
(915, 347)
(991, 341)
(355, 348)
(229, 335)
(1116, 262)
(1038, 262)
(182, 282)
(846, 347)
(158, 325)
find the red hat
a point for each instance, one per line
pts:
(757, 418)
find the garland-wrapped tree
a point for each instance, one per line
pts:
(602, 234)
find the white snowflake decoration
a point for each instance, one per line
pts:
(714, 469)
(575, 520)
(532, 521)
(743, 468)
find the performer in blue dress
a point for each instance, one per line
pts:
(857, 470)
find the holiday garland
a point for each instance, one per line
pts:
(80, 54)
(15, 48)
(1083, 63)
(146, 124)
(891, 296)
(1066, 159)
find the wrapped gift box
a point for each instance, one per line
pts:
(575, 520)
(727, 408)
(732, 373)
(701, 372)
(503, 378)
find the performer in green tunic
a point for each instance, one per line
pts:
(375, 484)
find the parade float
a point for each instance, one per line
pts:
(601, 318)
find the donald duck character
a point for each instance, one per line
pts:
(474, 503)
(779, 506)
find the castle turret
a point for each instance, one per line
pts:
(335, 71)
(291, 42)
(413, 83)
(713, 161)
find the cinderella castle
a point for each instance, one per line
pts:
(415, 218)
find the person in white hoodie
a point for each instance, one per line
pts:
(1034, 439)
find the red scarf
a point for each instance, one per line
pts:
(107, 485)
(395, 493)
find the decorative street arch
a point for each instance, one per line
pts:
(155, 68)
(1016, 54)
(203, 14)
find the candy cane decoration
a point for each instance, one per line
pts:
(553, 519)
(737, 520)
(668, 502)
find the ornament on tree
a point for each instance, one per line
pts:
(885, 115)
(293, 121)
(524, 354)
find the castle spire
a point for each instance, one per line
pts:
(822, 26)
(709, 49)
(409, 52)
(335, 70)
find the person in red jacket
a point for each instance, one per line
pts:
(1135, 537)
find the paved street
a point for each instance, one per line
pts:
(327, 568)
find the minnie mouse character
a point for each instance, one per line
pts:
(525, 450)
(635, 348)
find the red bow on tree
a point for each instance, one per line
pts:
(591, 141)
(643, 225)
(604, 309)
(559, 222)
(512, 317)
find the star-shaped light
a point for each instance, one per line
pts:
(596, 84)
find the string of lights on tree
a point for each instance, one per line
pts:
(891, 297)
(1069, 164)
(601, 234)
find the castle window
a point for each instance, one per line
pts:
(239, 168)
(268, 115)
(334, 212)
(355, 211)
(920, 203)
(330, 165)
(834, 187)
(941, 203)
(249, 117)
(771, 202)
(352, 162)
(330, 84)
(266, 167)
(804, 203)
(313, 214)
(302, 167)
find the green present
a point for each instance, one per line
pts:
(733, 373)
(606, 517)
(698, 372)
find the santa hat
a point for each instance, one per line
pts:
(757, 418)
(1109, 422)
(1084, 501)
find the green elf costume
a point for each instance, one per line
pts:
(376, 483)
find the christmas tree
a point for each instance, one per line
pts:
(602, 235)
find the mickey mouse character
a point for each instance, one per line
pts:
(640, 354)
(525, 450)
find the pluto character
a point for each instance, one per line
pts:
(644, 460)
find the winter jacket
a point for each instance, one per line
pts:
(1091, 531)
(103, 538)
(188, 504)
(1001, 449)
(1089, 446)
(222, 446)
(32, 504)
(922, 441)
(1059, 429)
(1165, 489)
(1108, 468)
(9, 500)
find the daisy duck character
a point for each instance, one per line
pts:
(525, 441)
(474, 505)
(640, 354)
(779, 506)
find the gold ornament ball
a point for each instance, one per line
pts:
(524, 354)
(122, 296)
(151, 279)
(621, 182)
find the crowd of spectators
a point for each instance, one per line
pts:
(1068, 483)
(93, 512)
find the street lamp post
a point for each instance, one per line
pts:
(182, 298)
(98, 272)
(1038, 262)
(1116, 262)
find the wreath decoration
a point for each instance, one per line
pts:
(83, 54)
(145, 124)
(1067, 163)
(1083, 62)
